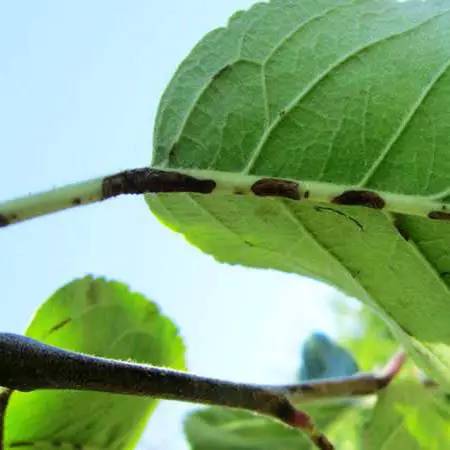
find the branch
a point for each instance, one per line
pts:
(27, 365)
(153, 180)
(137, 181)
(4, 398)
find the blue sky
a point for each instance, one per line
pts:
(80, 83)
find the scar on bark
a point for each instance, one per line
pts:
(439, 215)
(272, 187)
(360, 198)
(141, 181)
(340, 213)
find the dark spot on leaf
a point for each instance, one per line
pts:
(59, 325)
(282, 113)
(360, 198)
(3, 221)
(248, 243)
(439, 215)
(306, 194)
(272, 187)
(340, 213)
(221, 72)
(238, 192)
(141, 181)
(76, 201)
(21, 444)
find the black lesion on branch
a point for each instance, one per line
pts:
(146, 180)
(360, 198)
(439, 215)
(273, 187)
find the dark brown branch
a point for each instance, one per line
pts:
(4, 398)
(27, 365)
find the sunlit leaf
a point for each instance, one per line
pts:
(226, 429)
(102, 318)
(408, 416)
(337, 96)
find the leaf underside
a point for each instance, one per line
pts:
(346, 93)
(105, 319)
(398, 423)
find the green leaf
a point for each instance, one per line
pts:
(336, 96)
(102, 318)
(323, 358)
(365, 335)
(227, 429)
(407, 416)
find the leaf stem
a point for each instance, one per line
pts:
(155, 180)
(136, 181)
(26, 365)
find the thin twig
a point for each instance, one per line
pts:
(153, 180)
(355, 385)
(136, 181)
(27, 365)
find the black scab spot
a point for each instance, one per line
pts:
(238, 191)
(272, 187)
(21, 444)
(59, 325)
(360, 198)
(76, 201)
(3, 221)
(306, 194)
(439, 215)
(141, 181)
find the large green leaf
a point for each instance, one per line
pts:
(105, 319)
(407, 416)
(365, 335)
(226, 429)
(336, 96)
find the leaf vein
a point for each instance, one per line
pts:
(405, 123)
(316, 82)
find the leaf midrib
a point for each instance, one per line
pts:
(321, 191)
